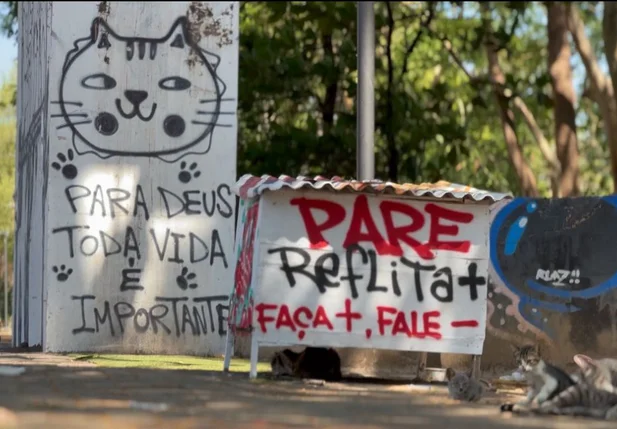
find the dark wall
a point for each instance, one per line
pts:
(554, 274)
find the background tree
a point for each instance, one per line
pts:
(8, 127)
(8, 22)
(564, 99)
(487, 94)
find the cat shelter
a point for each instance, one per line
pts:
(328, 262)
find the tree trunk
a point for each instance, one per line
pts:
(525, 174)
(601, 87)
(609, 26)
(565, 98)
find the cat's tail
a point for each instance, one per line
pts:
(578, 410)
(488, 385)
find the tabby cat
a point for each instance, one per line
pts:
(545, 380)
(282, 363)
(581, 399)
(313, 362)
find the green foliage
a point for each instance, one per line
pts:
(432, 122)
(8, 127)
(8, 21)
(289, 121)
(168, 362)
(8, 93)
(298, 85)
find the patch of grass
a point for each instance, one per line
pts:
(167, 362)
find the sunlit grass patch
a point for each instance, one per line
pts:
(167, 362)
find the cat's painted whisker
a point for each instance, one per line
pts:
(73, 123)
(207, 112)
(72, 103)
(78, 115)
(211, 123)
(214, 100)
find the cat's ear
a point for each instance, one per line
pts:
(178, 33)
(450, 373)
(583, 361)
(514, 348)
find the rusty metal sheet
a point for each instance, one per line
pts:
(249, 186)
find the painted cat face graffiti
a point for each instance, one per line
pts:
(165, 90)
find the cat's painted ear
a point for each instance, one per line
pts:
(450, 373)
(101, 33)
(177, 36)
(97, 28)
(213, 59)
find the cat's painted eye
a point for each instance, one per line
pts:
(98, 81)
(174, 83)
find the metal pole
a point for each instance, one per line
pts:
(6, 280)
(365, 113)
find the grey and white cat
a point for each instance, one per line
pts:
(600, 373)
(463, 387)
(545, 380)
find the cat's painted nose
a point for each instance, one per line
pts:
(135, 97)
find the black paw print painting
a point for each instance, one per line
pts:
(188, 174)
(62, 273)
(185, 279)
(65, 165)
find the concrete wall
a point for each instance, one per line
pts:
(135, 247)
(554, 275)
(31, 170)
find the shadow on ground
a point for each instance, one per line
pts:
(93, 397)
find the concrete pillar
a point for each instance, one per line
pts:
(126, 155)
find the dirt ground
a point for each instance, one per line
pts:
(59, 392)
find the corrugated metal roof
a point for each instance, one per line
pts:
(249, 186)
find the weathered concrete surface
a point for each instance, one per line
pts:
(552, 277)
(57, 392)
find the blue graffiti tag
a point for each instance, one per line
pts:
(517, 229)
(533, 294)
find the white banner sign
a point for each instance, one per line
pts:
(373, 272)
